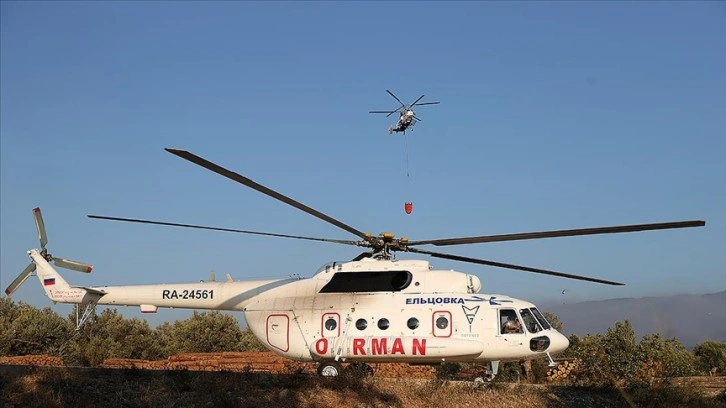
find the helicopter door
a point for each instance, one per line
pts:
(330, 325)
(441, 321)
(278, 331)
(510, 332)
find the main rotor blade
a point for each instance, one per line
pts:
(428, 103)
(561, 233)
(414, 102)
(262, 189)
(24, 275)
(512, 266)
(73, 265)
(388, 112)
(40, 227)
(396, 97)
(397, 110)
(269, 234)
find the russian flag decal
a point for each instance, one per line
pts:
(48, 281)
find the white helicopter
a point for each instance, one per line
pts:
(372, 309)
(407, 118)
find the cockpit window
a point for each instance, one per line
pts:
(540, 318)
(384, 281)
(530, 322)
(509, 322)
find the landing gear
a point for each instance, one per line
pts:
(330, 369)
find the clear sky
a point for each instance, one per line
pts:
(553, 115)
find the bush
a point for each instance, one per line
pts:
(711, 355)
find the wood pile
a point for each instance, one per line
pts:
(404, 370)
(33, 359)
(225, 361)
(256, 362)
(562, 372)
(709, 385)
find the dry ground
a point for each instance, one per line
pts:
(41, 381)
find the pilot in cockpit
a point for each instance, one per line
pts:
(512, 325)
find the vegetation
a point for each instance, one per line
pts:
(615, 363)
(25, 330)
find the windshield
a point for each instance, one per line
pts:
(530, 322)
(540, 318)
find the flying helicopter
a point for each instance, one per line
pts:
(371, 309)
(407, 117)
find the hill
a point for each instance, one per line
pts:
(692, 319)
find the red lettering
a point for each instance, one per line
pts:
(379, 346)
(358, 347)
(398, 346)
(321, 346)
(419, 345)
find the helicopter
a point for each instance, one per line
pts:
(371, 309)
(407, 118)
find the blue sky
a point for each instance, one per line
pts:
(553, 115)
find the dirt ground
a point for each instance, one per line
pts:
(263, 379)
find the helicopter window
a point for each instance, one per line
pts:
(385, 281)
(331, 324)
(361, 324)
(509, 322)
(530, 322)
(442, 322)
(383, 324)
(412, 323)
(545, 324)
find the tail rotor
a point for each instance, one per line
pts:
(60, 262)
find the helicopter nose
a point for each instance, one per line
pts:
(558, 342)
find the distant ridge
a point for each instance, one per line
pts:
(692, 319)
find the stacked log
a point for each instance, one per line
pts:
(256, 362)
(33, 359)
(404, 370)
(562, 372)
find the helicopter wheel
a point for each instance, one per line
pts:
(330, 369)
(359, 370)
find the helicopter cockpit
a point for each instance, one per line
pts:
(533, 319)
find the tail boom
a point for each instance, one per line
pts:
(56, 288)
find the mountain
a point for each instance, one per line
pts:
(692, 319)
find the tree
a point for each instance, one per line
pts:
(204, 332)
(620, 347)
(8, 311)
(110, 335)
(712, 354)
(28, 330)
(554, 321)
(666, 358)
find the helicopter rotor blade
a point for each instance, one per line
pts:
(427, 103)
(262, 189)
(40, 226)
(561, 233)
(396, 97)
(73, 265)
(513, 266)
(389, 112)
(24, 275)
(414, 102)
(269, 234)
(396, 111)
